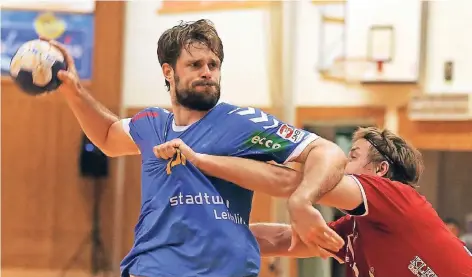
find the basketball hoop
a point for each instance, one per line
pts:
(353, 71)
(357, 69)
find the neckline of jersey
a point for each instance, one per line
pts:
(180, 129)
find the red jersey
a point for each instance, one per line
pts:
(400, 234)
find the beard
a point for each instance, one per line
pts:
(192, 99)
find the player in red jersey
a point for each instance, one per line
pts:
(389, 229)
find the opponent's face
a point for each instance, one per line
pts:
(196, 78)
(359, 162)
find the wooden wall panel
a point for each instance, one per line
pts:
(454, 189)
(46, 206)
(340, 114)
(437, 135)
(178, 7)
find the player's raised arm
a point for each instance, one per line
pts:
(100, 125)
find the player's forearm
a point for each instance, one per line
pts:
(92, 116)
(323, 170)
(250, 174)
(274, 240)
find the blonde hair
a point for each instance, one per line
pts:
(405, 161)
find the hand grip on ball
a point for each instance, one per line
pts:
(35, 65)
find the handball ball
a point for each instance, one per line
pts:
(35, 65)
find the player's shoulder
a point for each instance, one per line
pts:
(231, 109)
(247, 116)
(149, 113)
(373, 186)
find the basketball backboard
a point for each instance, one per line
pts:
(381, 43)
(383, 40)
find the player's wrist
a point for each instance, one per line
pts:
(199, 160)
(71, 89)
(75, 92)
(305, 193)
(299, 200)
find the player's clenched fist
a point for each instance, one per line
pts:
(168, 149)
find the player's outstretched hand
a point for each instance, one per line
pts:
(301, 250)
(69, 78)
(168, 149)
(309, 227)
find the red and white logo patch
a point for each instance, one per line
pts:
(292, 134)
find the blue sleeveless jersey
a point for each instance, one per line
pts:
(191, 224)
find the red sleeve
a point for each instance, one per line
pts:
(386, 199)
(343, 227)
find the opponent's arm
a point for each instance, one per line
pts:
(100, 125)
(274, 240)
(347, 195)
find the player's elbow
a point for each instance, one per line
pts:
(340, 159)
(114, 152)
(108, 149)
(326, 149)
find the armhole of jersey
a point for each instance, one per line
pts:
(364, 198)
(125, 124)
(299, 149)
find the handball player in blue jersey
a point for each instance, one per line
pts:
(192, 224)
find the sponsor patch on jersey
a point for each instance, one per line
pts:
(289, 133)
(268, 143)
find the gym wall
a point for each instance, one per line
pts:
(46, 206)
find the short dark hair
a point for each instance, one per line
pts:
(405, 161)
(183, 35)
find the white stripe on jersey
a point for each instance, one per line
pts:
(467, 250)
